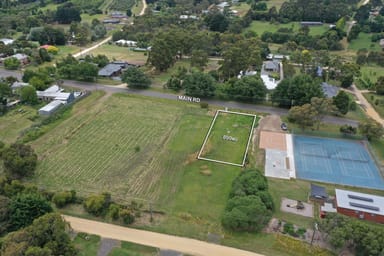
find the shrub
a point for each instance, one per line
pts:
(113, 211)
(97, 204)
(61, 199)
(127, 216)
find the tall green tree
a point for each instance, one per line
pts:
(199, 84)
(304, 116)
(46, 236)
(5, 92)
(379, 86)
(19, 160)
(323, 107)
(136, 78)
(161, 56)
(12, 63)
(24, 208)
(199, 59)
(297, 91)
(245, 213)
(371, 129)
(342, 102)
(28, 95)
(248, 88)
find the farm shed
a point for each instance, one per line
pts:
(50, 108)
(360, 205)
(110, 70)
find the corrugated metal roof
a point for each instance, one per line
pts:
(360, 202)
(109, 69)
(51, 106)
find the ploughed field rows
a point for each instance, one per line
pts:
(116, 146)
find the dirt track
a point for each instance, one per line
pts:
(157, 240)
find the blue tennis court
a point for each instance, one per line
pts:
(343, 162)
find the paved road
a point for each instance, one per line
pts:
(157, 240)
(228, 104)
(155, 94)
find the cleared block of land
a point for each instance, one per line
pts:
(120, 144)
(228, 138)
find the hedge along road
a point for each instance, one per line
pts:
(157, 240)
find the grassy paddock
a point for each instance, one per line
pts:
(364, 41)
(235, 125)
(120, 53)
(16, 120)
(117, 145)
(261, 26)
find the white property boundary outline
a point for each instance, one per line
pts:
(209, 132)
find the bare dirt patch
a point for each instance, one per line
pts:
(270, 123)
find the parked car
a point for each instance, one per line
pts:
(284, 127)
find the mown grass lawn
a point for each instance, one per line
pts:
(233, 126)
(87, 244)
(363, 41)
(262, 26)
(120, 53)
(371, 72)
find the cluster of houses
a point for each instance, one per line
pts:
(353, 204)
(23, 58)
(55, 96)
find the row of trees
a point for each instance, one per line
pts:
(343, 231)
(250, 205)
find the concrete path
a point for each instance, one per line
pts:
(157, 240)
(144, 8)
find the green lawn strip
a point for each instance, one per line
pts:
(377, 102)
(131, 249)
(15, 121)
(262, 26)
(363, 41)
(276, 3)
(235, 125)
(87, 244)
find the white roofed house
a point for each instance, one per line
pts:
(360, 205)
(7, 41)
(55, 93)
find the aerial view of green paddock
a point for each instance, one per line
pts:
(157, 127)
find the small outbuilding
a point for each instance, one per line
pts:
(50, 107)
(318, 193)
(110, 70)
(329, 90)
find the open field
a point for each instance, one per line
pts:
(276, 3)
(228, 137)
(120, 53)
(377, 102)
(14, 122)
(261, 26)
(371, 72)
(363, 41)
(118, 145)
(241, 8)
